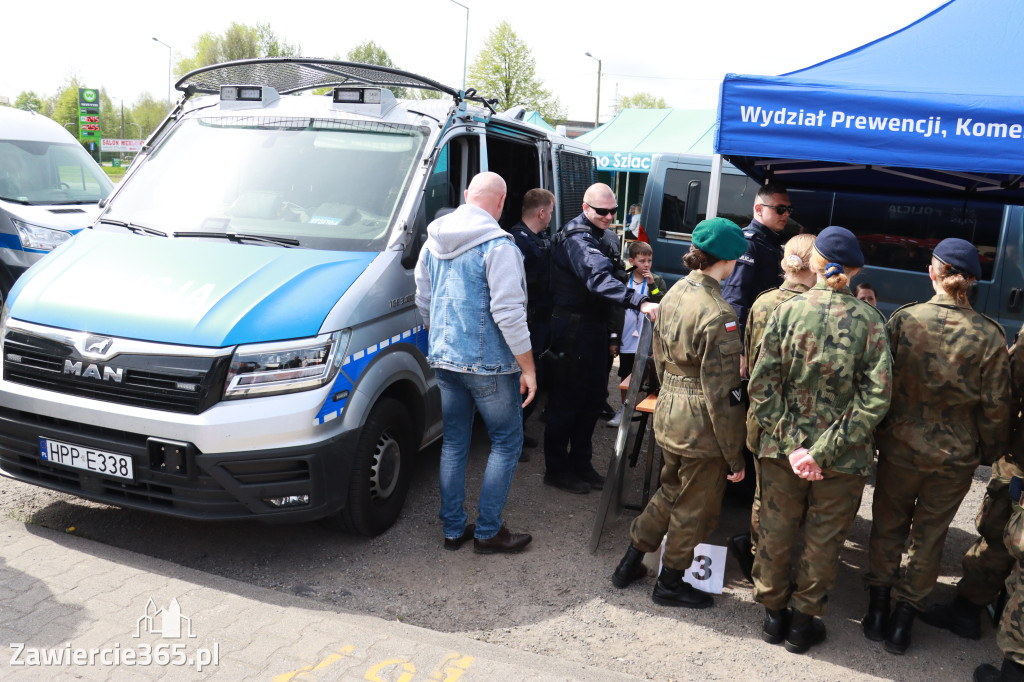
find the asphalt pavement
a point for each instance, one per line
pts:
(72, 608)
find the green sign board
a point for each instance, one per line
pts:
(89, 114)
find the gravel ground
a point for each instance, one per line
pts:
(556, 598)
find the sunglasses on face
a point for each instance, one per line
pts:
(781, 209)
(603, 211)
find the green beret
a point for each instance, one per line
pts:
(720, 237)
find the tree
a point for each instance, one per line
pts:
(369, 52)
(148, 113)
(505, 68)
(239, 41)
(29, 101)
(641, 100)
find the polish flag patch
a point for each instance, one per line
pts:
(730, 326)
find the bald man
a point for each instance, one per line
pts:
(584, 290)
(470, 282)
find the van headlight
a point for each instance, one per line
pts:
(38, 237)
(286, 366)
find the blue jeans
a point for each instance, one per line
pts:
(497, 398)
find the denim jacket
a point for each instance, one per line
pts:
(471, 293)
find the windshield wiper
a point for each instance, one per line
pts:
(240, 237)
(134, 227)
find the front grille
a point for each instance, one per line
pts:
(169, 383)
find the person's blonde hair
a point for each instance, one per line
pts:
(836, 281)
(952, 281)
(797, 256)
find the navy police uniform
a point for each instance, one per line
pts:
(585, 284)
(757, 271)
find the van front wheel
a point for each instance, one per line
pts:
(381, 471)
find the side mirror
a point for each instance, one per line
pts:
(417, 239)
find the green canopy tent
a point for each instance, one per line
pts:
(626, 144)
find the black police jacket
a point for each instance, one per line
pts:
(757, 270)
(536, 250)
(584, 277)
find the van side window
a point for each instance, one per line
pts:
(456, 164)
(901, 231)
(685, 200)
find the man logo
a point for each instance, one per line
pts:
(115, 374)
(98, 344)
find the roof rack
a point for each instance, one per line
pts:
(295, 74)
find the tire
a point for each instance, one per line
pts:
(381, 471)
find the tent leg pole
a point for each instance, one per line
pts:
(714, 186)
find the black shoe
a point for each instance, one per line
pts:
(960, 617)
(607, 412)
(505, 542)
(776, 624)
(630, 568)
(593, 479)
(524, 456)
(804, 632)
(530, 442)
(568, 482)
(1010, 672)
(897, 635)
(876, 620)
(672, 590)
(454, 543)
(741, 548)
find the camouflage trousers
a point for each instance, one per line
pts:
(919, 505)
(1010, 638)
(684, 510)
(987, 563)
(755, 508)
(830, 506)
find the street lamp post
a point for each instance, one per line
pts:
(597, 116)
(465, 49)
(169, 52)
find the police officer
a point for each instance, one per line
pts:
(698, 420)
(820, 386)
(944, 422)
(987, 563)
(583, 289)
(531, 236)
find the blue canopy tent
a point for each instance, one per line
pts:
(936, 108)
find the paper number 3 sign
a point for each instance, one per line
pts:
(707, 572)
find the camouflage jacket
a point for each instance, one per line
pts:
(697, 356)
(950, 388)
(1017, 401)
(757, 320)
(822, 379)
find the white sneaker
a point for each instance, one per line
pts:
(617, 419)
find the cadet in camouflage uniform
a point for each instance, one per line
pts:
(820, 386)
(950, 413)
(698, 420)
(796, 264)
(987, 563)
(1010, 638)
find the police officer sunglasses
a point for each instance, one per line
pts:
(603, 211)
(781, 209)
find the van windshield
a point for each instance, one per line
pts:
(49, 173)
(333, 185)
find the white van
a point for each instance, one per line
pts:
(49, 190)
(236, 336)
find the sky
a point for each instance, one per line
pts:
(677, 50)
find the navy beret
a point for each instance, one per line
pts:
(839, 245)
(720, 237)
(961, 254)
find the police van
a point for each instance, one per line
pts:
(49, 190)
(896, 233)
(236, 335)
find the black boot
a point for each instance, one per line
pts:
(960, 617)
(630, 568)
(1010, 672)
(776, 623)
(877, 618)
(897, 635)
(672, 590)
(804, 632)
(740, 546)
